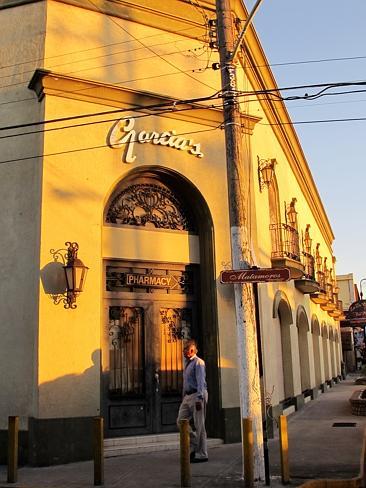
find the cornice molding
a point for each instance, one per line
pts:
(45, 82)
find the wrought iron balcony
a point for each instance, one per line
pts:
(330, 306)
(286, 249)
(309, 265)
(285, 241)
(321, 280)
(307, 283)
(320, 297)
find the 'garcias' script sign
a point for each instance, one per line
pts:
(123, 134)
(255, 275)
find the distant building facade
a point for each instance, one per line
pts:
(123, 162)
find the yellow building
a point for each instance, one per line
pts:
(115, 142)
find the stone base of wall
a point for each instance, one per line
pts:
(230, 421)
(22, 447)
(60, 441)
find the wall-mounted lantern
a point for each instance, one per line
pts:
(265, 172)
(291, 214)
(75, 274)
(318, 258)
(307, 240)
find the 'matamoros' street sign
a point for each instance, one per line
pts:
(263, 275)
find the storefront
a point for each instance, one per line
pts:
(131, 165)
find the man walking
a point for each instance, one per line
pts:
(194, 401)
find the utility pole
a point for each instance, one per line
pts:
(237, 158)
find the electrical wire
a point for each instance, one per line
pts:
(320, 121)
(147, 47)
(170, 104)
(310, 61)
(120, 63)
(102, 146)
(95, 122)
(216, 94)
(102, 46)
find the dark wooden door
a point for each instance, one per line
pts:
(143, 363)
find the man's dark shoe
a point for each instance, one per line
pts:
(192, 457)
(199, 460)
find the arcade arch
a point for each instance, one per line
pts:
(304, 354)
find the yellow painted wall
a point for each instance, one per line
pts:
(80, 171)
(21, 48)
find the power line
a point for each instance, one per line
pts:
(320, 121)
(98, 57)
(171, 104)
(102, 46)
(310, 61)
(147, 47)
(16, 160)
(179, 102)
(95, 122)
(161, 75)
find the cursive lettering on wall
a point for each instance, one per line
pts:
(123, 134)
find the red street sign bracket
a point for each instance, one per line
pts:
(254, 275)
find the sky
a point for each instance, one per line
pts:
(293, 31)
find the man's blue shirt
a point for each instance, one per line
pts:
(194, 376)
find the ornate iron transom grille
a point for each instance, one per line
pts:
(146, 203)
(126, 348)
(176, 326)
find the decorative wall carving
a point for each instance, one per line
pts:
(146, 203)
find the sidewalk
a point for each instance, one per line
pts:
(316, 449)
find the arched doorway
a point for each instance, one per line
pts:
(315, 328)
(303, 332)
(325, 344)
(282, 311)
(332, 352)
(159, 289)
(338, 353)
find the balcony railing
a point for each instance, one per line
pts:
(309, 265)
(329, 291)
(320, 278)
(285, 242)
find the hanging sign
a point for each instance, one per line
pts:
(123, 134)
(262, 275)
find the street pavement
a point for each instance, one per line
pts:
(317, 449)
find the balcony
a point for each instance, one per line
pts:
(307, 283)
(320, 297)
(338, 312)
(286, 249)
(329, 306)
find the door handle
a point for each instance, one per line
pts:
(157, 381)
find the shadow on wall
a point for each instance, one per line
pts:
(73, 394)
(70, 403)
(53, 278)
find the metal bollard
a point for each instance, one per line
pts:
(13, 431)
(248, 452)
(185, 467)
(98, 451)
(285, 470)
